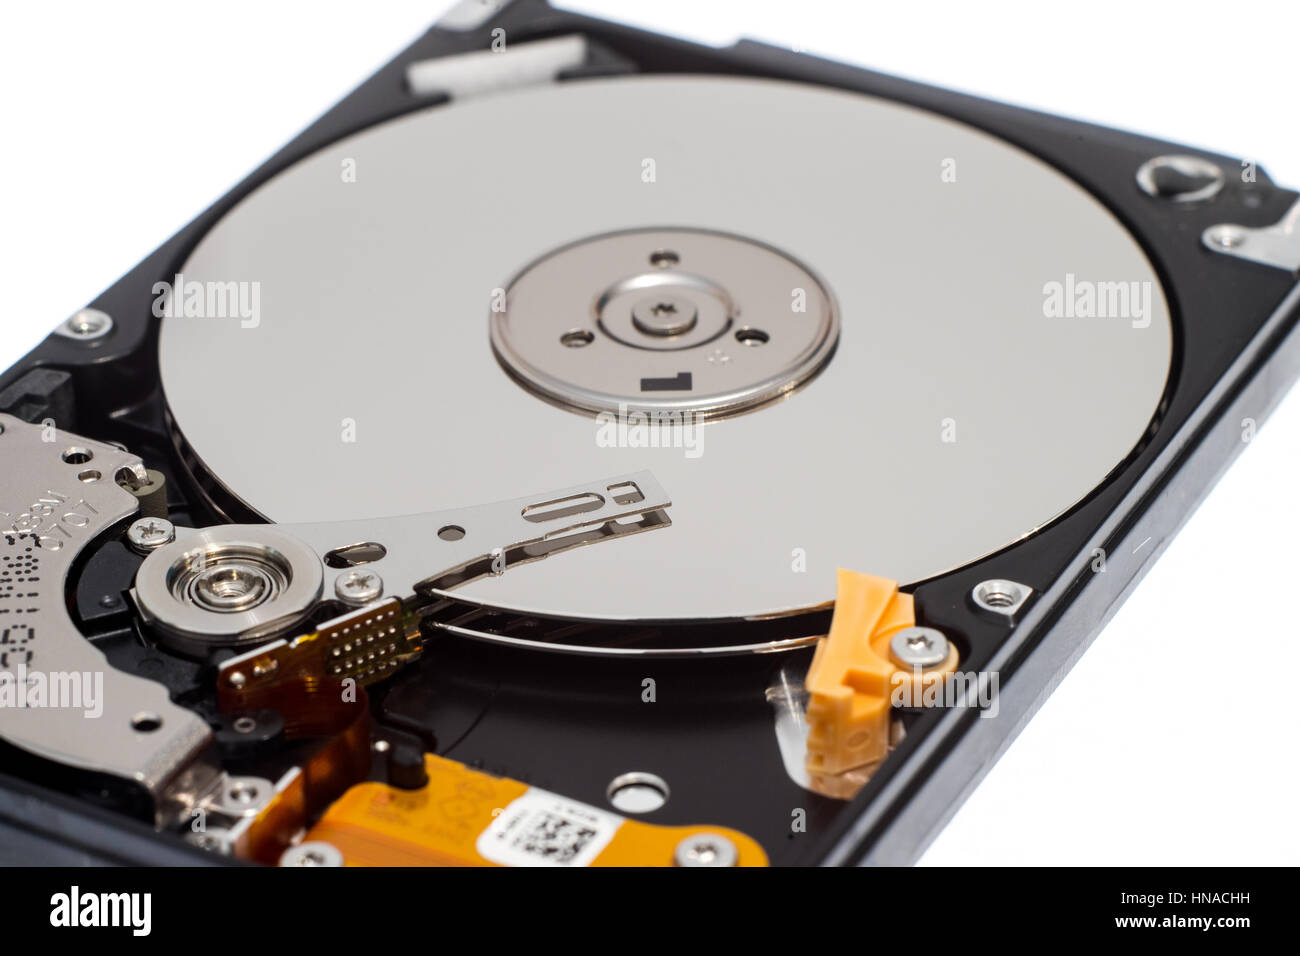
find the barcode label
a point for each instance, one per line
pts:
(544, 829)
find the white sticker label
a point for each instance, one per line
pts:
(544, 829)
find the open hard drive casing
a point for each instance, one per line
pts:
(1232, 309)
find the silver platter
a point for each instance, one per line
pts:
(957, 414)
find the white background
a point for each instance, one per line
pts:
(1174, 740)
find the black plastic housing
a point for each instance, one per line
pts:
(1235, 355)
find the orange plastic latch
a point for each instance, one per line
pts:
(852, 676)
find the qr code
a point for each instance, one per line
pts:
(554, 838)
(543, 829)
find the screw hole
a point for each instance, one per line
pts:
(244, 725)
(996, 598)
(244, 793)
(145, 722)
(451, 532)
(1180, 178)
(77, 456)
(355, 555)
(664, 258)
(128, 479)
(751, 337)
(577, 338)
(1001, 597)
(637, 792)
(89, 475)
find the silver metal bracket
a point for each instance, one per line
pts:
(220, 818)
(489, 71)
(59, 697)
(1277, 245)
(243, 585)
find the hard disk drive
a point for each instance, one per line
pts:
(582, 447)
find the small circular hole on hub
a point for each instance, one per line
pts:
(664, 258)
(577, 338)
(451, 532)
(748, 336)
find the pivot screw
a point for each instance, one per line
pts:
(705, 849)
(150, 534)
(919, 647)
(359, 587)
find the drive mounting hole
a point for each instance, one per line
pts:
(637, 792)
